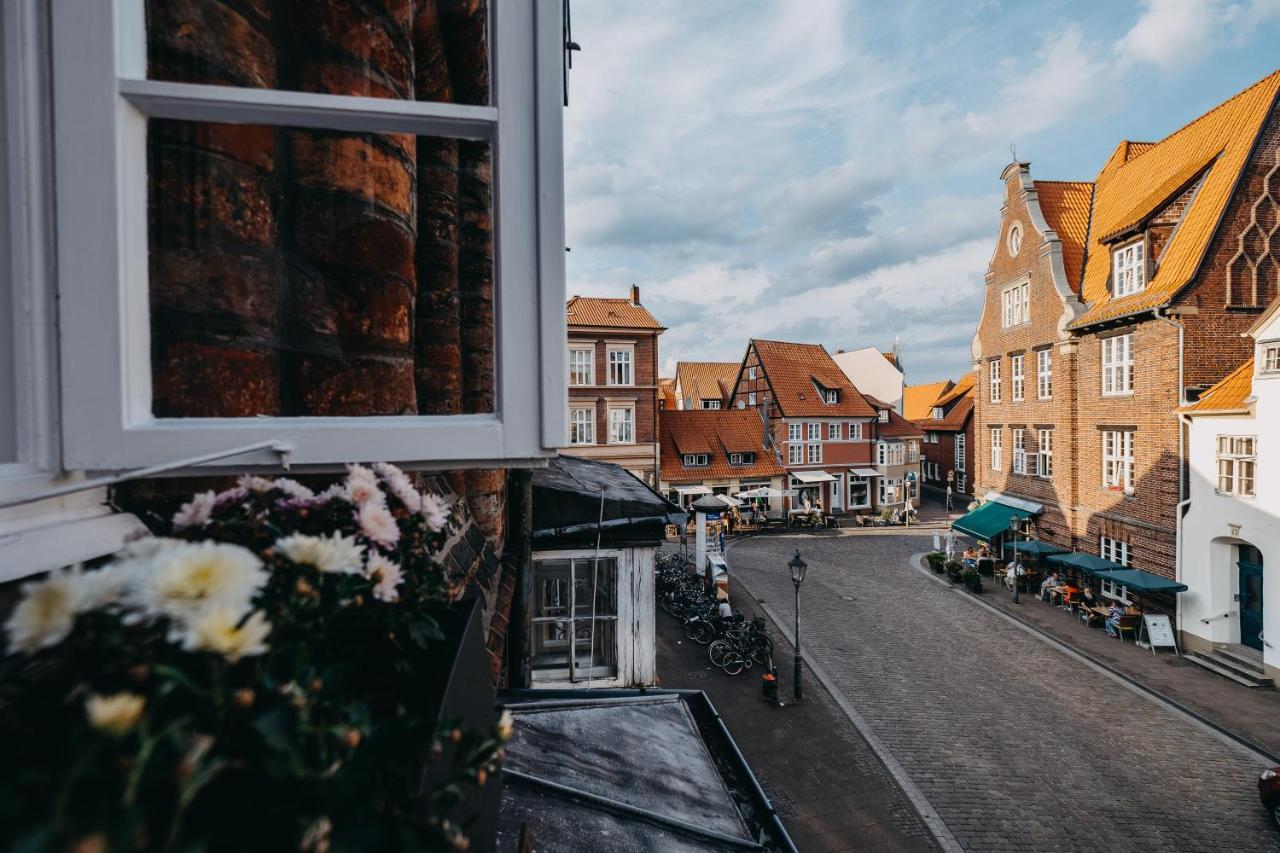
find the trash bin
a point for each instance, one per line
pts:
(769, 685)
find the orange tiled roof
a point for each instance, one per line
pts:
(917, 400)
(1065, 205)
(891, 358)
(667, 392)
(955, 420)
(961, 388)
(1131, 187)
(706, 380)
(1229, 395)
(716, 433)
(898, 427)
(792, 370)
(612, 313)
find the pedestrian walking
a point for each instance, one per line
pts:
(948, 497)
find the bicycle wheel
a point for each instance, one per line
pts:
(692, 629)
(704, 634)
(733, 662)
(718, 650)
(762, 651)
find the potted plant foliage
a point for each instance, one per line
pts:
(972, 579)
(256, 680)
(953, 571)
(935, 560)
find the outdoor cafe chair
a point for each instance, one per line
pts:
(1128, 623)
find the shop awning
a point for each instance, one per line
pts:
(1087, 563)
(810, 477)
(1040, 549)
(989, 520)
(1139, 581)
(864, 472)
(692, 490)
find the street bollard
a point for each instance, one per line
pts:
(769, 684)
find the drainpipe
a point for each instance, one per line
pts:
(1183, 425)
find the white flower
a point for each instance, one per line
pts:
(505, 727)
(435, 511)
(378, 524)
(218, 628)
(337, 490)
(293, 488)
(332, 553)
(47, 612)
(399, 484)
(116, 713)
(258, 485)
(195, 512)
(388, 575)
(104, 587)
(188, 575)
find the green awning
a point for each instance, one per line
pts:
(1085, 562)
(989, 520)
(1038, 548)
(1140, 581)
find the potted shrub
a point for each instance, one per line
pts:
(953, 571)
(972, 579)
(935, 560)
(886, 516)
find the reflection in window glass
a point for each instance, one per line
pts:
(425, 50)
(303, 272)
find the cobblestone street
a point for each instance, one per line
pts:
(1015, 744)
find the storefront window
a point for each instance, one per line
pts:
(575, 618)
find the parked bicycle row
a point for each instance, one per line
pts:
(733, 642)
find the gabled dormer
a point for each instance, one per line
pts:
(829, 396)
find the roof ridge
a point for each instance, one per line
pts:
(1074, 183)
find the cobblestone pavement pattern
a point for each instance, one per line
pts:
(1017, 745)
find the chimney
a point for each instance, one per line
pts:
(635, 294)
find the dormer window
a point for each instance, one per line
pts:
(1271, 358)
(831, 395)
(884, 416)
(696, 460)
(937, 413)
(1129, 269)
(741, 458)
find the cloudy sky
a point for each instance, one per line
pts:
(827, 170)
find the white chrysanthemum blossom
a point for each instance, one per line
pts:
(116, 714)
(332, 553)
(399, 485)
(387, 575)
(225, 630)
(506, 726)
(190, 575)
(435, 511)
(195, 512)
(293, 488)
(337, 490)
(378, 524)
(47, 612)
(257, 485)
(105, 587)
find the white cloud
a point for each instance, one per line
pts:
(1172, 33)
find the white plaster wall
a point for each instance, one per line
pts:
(871, 373)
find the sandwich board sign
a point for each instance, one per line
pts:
(1159, 632)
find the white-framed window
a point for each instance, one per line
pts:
(696, 460)
(795, 454)
(859, 492)
(1237, 461)
(833, 432)
(994, 379)
(1019, 451)
(855, 431)
(1270, 360)
(883, 416)
(1044, 374)
(621, 364)
(622, 425)
(1129, 269)
(1015, 305)
(815, 432)
(1044, 452)
(959, 459)
(582, 365)
(710, 404)
(741, 458)
(574, 636)
(997, 449)
(815, 452)
(113, 392)
(1117, 364)
(751, 398)
(890, 490)
(1117, 460)
(1015, 239)
(938, 414)
(795, 432)
(890, 453)
(1016, 377)
(582, 425)
(751, 373)
(1115, 550)
(831, 395)
(913, 451)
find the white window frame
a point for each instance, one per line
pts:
(751, 398)
(101, 102)
(696, 460)
(814, 432)
(1237, 454)
(815, 453)
(1017, 377)
(1044, 374)
(938, 414)
(626, 366)
(1269, 362)
(890, 453)
(1044, 453)
(993, 376)
(575, 421)
(855, 431)
(795, 432)
(623, 567)
(1015, 305)
(1115, 550)
(1117, 460)
(1129, 268)
(630, 420)
(795, 454)
(589, 368)
(833, 432)
(997, 449)
(865, 482)
(710, 405)
(886, 487)
(831, 396)
(741, 458)
(913, 451)
(751, 373)
(883, 416)
(959, 451)
(1116, 357)
(1019, 450)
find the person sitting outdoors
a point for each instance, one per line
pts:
(1113, 619)
(970, 558)
(1054, 580)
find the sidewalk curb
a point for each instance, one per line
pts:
(928, 815)
(1139, 687)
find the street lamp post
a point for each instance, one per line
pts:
(1013, 530)
(797, 567)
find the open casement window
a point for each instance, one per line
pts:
(310, 224)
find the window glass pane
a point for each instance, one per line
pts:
(425, 50)
(300, 272)
(8, 366)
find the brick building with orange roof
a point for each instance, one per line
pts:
(613, 383)
(947, 422)
(1108, 305)
(704, 384)
(720, 452)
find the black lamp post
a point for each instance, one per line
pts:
(797, 567)
(1013, 531)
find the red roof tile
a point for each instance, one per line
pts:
(716, 433)
(918, 400)
(792, 369)
(609, 313)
